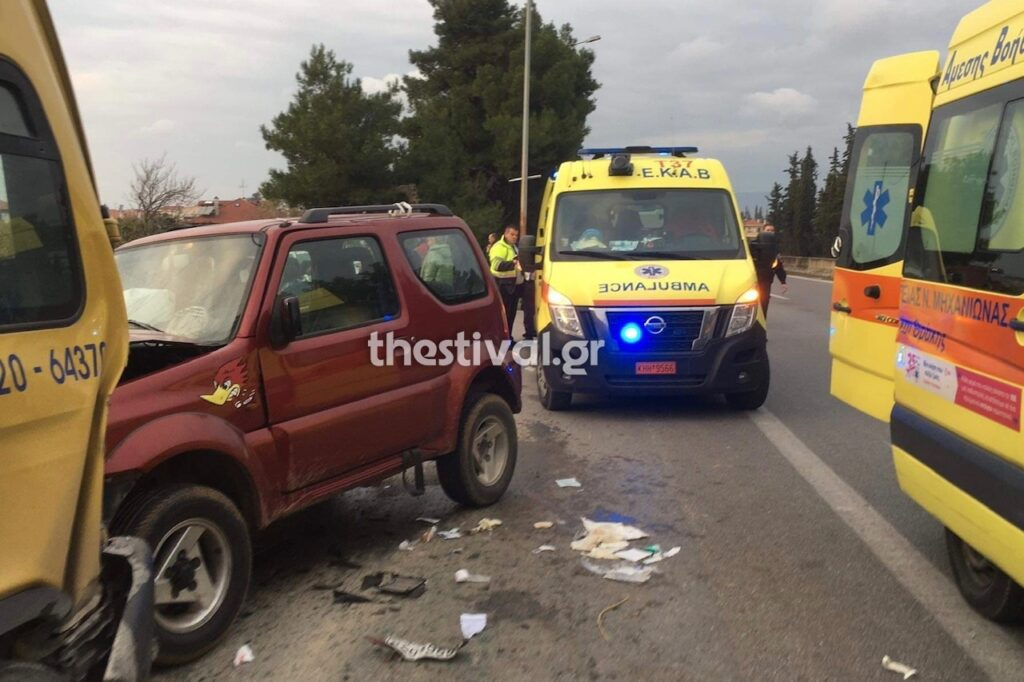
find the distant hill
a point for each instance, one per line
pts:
(752, 200)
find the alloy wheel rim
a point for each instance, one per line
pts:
(490, 450)
(193, 564)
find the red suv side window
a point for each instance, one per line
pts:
(340, 283)
(444, 261)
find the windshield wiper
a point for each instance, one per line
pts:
(675, 255)
(602, 255)
(143, 325)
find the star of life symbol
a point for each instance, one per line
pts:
(651, 271)
(875, 200)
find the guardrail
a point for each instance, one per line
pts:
(809, 267)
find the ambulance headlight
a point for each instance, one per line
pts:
(563, 313)
(744, 313)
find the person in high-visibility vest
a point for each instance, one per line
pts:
(504, 259)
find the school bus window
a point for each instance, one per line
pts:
(880, 182)
(954, 175)
(39, 267)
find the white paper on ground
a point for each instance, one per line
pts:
(633, 555)
(568, 483)
(244, 655)
(472, 624)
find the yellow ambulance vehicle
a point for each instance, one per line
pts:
(959, 354)
(640, 249)
(73, 604)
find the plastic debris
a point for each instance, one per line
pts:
(600, 617)
(472, 624)
(600, 533)
(428, 535)
(634, 555)
(622, 571)
(429, 520)
(451, 534)
(413, 651)
(543, 525)
(343, 597)
(406, 546)
(607, 550)
(485, 524)
(544, 548)
(244, 655)
(402, 585)
(464, 576)
(661, 556)
(568, 483)
(896, 667)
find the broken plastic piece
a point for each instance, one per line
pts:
(633, 555)
(402, 585)
(672, 552)
(568, 483)
(544, 548)
(413, 651)
(244, 655)
(451, 534)
(485, 524)
(543, 525)
(406, 546)
(428, 535)
(896, 667)
(464, 576)
(622, 571)
(472, 624)
(429, 520)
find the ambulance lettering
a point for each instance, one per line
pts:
(628, 287)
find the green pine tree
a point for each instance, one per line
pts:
(337, 141)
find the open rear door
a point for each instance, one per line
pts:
(894, 115)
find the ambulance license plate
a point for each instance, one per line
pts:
(668, 367)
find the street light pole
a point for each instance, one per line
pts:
(523, 172)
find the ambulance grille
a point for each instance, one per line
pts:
(682, 328)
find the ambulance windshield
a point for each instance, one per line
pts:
(688, 224)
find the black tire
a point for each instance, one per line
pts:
(18, 671)
(751, 400)
(986, 588)
(550, 399)
(156, 514)
(461, 477)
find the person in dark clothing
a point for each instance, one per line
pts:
(768, 265)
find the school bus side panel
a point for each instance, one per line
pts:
(894, 113)
(59, 373)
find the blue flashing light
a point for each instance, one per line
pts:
(631, 332)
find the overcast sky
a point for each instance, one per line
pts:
(748, 82)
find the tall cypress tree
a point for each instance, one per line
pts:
(803, 210)
(775, 199)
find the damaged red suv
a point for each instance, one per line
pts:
(252, 391)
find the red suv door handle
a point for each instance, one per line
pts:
(839, 307)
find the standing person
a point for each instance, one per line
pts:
(768, 265)
(491, 238)
(504, 258)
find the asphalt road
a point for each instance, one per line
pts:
(800, 557)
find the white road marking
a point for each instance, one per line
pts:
(988, 645)
(811, 279)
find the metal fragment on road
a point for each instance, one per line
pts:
(568, 483)
(414, 651)
(897, 667)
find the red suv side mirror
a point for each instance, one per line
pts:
(286, 325)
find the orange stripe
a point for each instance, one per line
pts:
(655, 302)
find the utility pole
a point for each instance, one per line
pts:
(523, 171)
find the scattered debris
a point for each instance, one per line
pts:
(372, 580)
(608, 516)
(472, 624)
(568, 483)
(326, 587)
(607, 550)
(634, 555)
(428, 535)
(544, 548)
(543, 525)
(457, 550)
(451, 534)
(413, 651)
(623, 571)
(343, 597)
(406, 546)
(600, 533)
(244, 655)
(485, 524)
(464, 576)
(402, 585)
(660, 556)
(429, 520)
(600, 617)
(896, 667)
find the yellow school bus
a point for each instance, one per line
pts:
(958, 359)
(65, 590)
